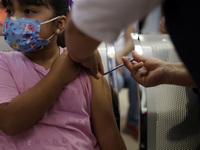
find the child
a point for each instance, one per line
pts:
(47, 101)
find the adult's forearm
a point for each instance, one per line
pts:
(177, 73)
(103, 20)
(80, 46)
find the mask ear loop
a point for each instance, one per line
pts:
(50, 37)
(50, 20)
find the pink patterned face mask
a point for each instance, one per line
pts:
(22, 34)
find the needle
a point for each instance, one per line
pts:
(117, 67)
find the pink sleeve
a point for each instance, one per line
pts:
(8, 89)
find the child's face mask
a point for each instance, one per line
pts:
(22, 34)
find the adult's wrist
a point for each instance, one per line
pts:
(177, 74)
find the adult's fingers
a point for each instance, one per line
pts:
(134, 67)
(137, 57)
(96, 68)
(100, 66)
(127, 63)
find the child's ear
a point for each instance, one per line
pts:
(61, 25)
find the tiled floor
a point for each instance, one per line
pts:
(130, 141)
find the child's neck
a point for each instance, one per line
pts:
(44, 57)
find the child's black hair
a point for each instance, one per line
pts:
(60, 8)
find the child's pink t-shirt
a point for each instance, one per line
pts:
(65, 126)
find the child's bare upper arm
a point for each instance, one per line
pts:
(102, 116)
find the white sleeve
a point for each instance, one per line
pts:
(104, 19)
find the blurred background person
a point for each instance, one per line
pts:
(123, 46)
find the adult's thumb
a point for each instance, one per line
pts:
(137, 57)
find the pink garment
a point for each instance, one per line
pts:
(65, 126)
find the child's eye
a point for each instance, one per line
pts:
(28, 11)
(9, 12)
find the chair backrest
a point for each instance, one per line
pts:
(4, 46)
(107, 52)
(172, 110)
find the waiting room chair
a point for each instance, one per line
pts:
(172, 111)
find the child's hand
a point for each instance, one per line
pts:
(64, 69)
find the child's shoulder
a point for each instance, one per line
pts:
(10, 56)
(86, 77)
